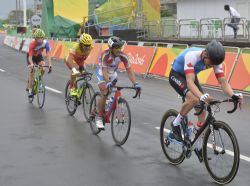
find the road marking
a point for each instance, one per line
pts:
(53, 90)
(2, 70)
(210, 146)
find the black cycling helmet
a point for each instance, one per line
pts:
(226, 7)
(216, 52)
(115, 42)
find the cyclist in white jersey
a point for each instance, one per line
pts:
(107, 75)
(183, 78)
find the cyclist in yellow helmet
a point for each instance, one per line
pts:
(34, 56)
(76, 58)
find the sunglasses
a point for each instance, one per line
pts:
(87, 46)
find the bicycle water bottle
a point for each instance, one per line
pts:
(190, 127)
(108, 103)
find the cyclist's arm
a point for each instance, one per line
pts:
(219, 73)
(49, 57)
(105, 73)
(69, 61)
(190, 77)
(189, 63)
(131, 75)
(47, 48)
(30, 60)
(227, 89)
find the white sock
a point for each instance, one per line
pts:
(30, 90)
(178, 120)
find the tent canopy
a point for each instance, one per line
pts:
(62, 18)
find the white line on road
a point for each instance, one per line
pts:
(2, 70)
(53, 90)
(210, 146)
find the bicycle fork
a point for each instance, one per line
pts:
(214, 146)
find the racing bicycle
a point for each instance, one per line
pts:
(220, 149)
(84, 90)
(38, 85)
(118, 109)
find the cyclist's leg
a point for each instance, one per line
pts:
(28, 79)
(201, 117)
(30, 76)
(70, 65)
(178, 82)
(40, 62)
(104, 93)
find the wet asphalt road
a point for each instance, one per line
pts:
(47, 147)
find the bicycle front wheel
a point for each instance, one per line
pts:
(71, 102)
(86, 99)
(94, 112)
(172, 149)
(40, 93)
(121, 122)
(221, 158)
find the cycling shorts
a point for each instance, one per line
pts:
(100, 77)
(179, 83)
(36, 59)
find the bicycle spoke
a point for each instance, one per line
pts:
(222, 158)
(121, 122)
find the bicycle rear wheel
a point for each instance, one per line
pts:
(40, 93)
(221, 160)
(93, 112)
(30, 99)
(86, 99)
(71, 102)
(121, 122)
(172, 149)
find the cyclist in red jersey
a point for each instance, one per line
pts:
(34, 56)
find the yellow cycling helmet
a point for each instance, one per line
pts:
(39, 33)
(85, 39)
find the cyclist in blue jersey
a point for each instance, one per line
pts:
(183, 78)
(106, 72)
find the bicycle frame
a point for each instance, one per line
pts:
(208, 122)
(81, 89)
(82, 85)
(113, 106)
(210, 119)
(37, 75)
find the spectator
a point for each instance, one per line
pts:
(235, 19)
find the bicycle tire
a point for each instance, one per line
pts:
(86, 99)
(220, 127)
(30, 99)
(93, 112)
(120, 125)
(41, 93)
(164, 130)
(70, 101)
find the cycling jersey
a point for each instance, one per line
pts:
(189, 61)
(36, 48)
(112, 63)
(79, 56)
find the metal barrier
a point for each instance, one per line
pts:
(191, 26)
(169, 28)
(211, 28)
(153, 29)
